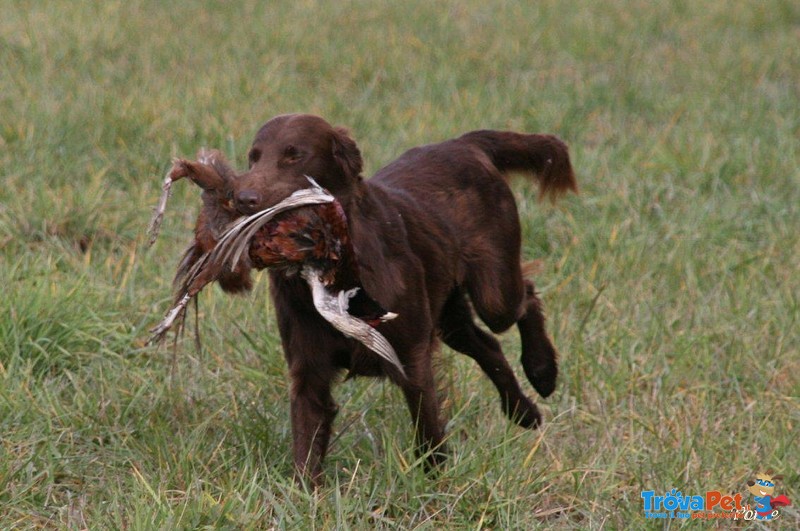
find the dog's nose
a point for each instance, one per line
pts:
(247, 201)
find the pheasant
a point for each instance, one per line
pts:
(305, 234)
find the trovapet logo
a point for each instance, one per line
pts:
(765, 504)
(674, 504)
(716, 505)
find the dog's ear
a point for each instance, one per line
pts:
(347, 154)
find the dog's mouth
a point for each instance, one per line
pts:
(249, 202)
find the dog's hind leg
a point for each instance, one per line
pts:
(460, 333)
(539, 356)
(501, 297)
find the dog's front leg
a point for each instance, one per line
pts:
(420, 392)
(313, 410)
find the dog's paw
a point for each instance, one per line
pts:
(523, 412)
(542, 369)
(543, 379)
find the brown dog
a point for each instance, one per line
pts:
(431, 230)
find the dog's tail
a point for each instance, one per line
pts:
(546, 157)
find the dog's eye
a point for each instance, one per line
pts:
(253, 156)
(291, 154)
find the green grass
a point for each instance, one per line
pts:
(671, 281)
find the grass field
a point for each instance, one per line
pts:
(671, 282)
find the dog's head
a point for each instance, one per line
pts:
(764, 484)
(286, 150)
